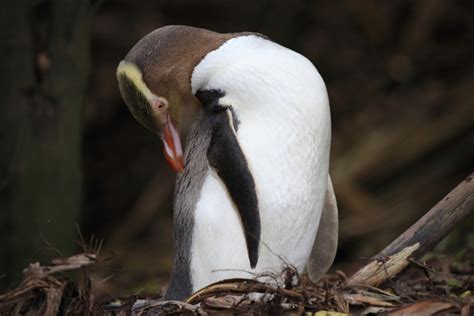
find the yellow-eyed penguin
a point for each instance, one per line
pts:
(253, 182)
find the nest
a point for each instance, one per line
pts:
(65, 288)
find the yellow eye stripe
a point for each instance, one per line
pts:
(133, 73)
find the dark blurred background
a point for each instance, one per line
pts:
(400, 77)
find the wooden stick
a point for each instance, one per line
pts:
(420, 237)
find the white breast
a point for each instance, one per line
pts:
(281, 102)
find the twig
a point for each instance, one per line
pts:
(241, 286)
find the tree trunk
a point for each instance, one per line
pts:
(45, 65)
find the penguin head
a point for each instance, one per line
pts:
(158, 111)
(155, 82)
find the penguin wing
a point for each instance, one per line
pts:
(228, 160)
(325, 243)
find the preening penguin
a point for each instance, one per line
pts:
(253, 172)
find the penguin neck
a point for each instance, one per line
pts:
(187, 192)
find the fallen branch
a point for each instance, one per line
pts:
(420, 237)
(378, 271)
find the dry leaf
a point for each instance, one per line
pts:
(424, 308)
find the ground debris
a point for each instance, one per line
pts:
(423, 288)
(46, 290)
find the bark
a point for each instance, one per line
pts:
(45, 66)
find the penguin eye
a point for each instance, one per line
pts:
(159, 104)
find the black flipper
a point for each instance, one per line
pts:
(226, 157)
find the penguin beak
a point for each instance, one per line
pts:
(173, 150)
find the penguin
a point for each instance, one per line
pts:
(245, 123)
